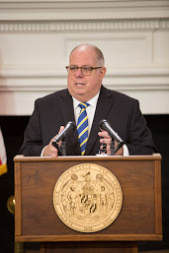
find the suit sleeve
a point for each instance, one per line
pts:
(32, 144)
(140, 140)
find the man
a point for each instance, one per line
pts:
(86, 71)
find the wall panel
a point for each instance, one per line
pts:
(36, 38)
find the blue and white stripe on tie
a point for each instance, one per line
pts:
(82, 127)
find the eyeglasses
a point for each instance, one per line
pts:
(86, 70)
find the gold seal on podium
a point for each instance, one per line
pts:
(87, 197)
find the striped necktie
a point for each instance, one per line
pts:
(82, 127)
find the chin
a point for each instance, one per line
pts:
(81, 97)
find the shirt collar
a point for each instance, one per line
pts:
(92, 101)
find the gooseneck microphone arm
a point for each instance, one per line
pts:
(104, 125)
(70, 126)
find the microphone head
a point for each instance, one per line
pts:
(105, 125)
(72, 125)
(102, 123)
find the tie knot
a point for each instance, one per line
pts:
(83, 105)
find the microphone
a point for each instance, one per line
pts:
(68, 128)
(104, 125)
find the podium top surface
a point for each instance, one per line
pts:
(21, 158)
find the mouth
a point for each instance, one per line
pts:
(80, 84)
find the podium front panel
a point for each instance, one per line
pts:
(140, 216)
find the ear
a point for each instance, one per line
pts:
(103, 72)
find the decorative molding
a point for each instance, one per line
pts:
(82, 10)
(15, 80)
(64, 26)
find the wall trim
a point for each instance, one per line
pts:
(48, 79)
(82, 10)
(63, 26)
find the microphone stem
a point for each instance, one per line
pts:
(56, 145)
(63, 148)
(120, 144)
(112, 147)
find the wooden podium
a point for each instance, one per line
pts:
(140, 218)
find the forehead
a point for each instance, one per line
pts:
(81, 57)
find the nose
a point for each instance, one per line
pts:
(79, 73)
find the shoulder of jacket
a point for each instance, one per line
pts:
(119, 95)
(52, 96)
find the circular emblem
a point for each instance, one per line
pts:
(87, 197)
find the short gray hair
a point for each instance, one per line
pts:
(99, 54)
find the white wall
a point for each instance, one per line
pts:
(36, 38)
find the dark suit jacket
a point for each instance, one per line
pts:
(56, 109)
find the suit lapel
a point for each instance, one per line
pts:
(105, 102)
(66, 107)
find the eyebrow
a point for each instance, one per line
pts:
(81, 66)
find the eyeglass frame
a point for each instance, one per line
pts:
(81, 68)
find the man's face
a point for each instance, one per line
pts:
(80, 86)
